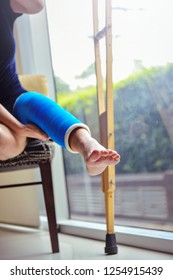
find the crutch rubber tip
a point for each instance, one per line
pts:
(111, 246)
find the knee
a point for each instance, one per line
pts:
(10, 146)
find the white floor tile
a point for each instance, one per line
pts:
(27, 244)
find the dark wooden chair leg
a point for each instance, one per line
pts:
(45, 169)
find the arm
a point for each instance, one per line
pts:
(18, 128)
(27, 6)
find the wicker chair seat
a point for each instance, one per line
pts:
(35, 152)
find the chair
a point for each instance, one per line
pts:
(37, 154)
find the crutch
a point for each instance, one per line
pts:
(106, 117)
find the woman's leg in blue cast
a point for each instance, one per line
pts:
(56, 122)
(64, 129)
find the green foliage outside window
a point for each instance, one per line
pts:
(143, 112)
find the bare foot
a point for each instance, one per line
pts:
(96, 157)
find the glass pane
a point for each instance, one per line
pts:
(143, 99)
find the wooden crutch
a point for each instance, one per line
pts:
(106, 117)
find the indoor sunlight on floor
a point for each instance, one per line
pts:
(22, 243)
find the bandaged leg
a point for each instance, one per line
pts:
(56, 122)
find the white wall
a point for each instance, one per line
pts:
(19, 205)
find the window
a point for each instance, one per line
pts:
(143, 84)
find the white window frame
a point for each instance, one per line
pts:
(33, 39)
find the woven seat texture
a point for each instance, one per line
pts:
(35, 152)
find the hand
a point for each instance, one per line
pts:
(18, 129)
(32, 131)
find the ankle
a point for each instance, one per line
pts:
(78, 138)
